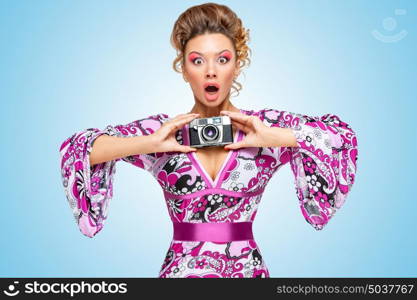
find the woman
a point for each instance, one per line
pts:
(212, 193)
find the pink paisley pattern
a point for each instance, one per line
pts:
(323, 164)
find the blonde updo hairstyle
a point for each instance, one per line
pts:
(210, 18)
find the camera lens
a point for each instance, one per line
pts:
(210, 132)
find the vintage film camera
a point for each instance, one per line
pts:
(213, 131)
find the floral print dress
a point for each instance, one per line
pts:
(323, 164)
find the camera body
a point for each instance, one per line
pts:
(213, 131)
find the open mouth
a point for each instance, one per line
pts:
(211, 91)
(211, 87)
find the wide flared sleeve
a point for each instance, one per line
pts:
(89, 189)
(324, 162)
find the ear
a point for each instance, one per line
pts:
(237, 71)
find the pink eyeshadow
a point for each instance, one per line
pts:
(192, 56)
(227, 54)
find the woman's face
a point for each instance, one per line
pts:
(210, 59)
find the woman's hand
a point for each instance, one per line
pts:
(257, 133)
(164, 138)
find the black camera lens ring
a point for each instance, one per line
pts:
(205, 136)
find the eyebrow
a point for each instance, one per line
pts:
(203, 54)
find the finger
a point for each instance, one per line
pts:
(186, 149)
(186, 119)
(178, 124)
(236, 116)
(237, 145)
(182, 116)
(245, 121)
(240, 126)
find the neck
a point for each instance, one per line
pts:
(212, 111)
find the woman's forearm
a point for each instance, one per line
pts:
(106, 148)
(282, 137)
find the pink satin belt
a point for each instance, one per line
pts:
(214, 232)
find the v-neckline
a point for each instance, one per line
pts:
(202, 170)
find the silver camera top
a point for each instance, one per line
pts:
(212, 131)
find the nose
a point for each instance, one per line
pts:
(211, 73)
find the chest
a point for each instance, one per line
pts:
(247, 169)
(212, 159)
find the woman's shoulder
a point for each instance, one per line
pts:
(159, 117)
(258, 112)
(249, 111)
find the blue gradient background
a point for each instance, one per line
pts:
(72, 65)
